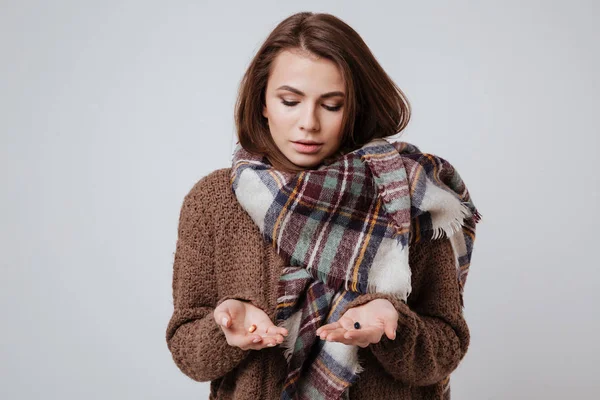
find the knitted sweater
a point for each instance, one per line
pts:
(220, 254)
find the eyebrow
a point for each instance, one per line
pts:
(300, 93)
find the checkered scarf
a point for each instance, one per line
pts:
(344, 229)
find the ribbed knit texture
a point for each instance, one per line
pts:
(220, 254)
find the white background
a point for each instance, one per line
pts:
(110, 111)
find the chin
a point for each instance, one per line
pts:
(307, 162)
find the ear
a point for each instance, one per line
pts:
(264, 112)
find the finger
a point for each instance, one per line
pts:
(265, 342)
(336, 335)
(350, 341)
(271, 332)
(275, 330)
(324, 334)
(246, 342)
(357, 335)
(257, 344)
(331, 326)
(370, 335)
(278, 339)
(283, 331)
(390, 329)
(231, 307)
(340, 339)
(223, 319)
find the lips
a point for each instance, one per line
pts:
(307, 148)
(307, 142)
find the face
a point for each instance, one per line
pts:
(305, 103)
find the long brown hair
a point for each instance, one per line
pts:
(374, 107)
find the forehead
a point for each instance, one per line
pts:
(310, 74)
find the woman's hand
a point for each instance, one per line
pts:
(235, 318)
(375, 318)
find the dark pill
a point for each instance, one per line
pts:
(356, 325)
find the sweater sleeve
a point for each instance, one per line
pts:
(432, 336)
(197, 344)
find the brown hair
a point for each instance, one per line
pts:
(374, 107)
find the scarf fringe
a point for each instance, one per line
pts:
(292, 324)
(457, 223)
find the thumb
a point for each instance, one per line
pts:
(390, 329)
(223, 318)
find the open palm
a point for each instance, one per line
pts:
(235, 318)
(375, 318)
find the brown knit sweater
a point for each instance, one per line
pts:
(220, 254)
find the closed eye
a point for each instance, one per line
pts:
(293, 103)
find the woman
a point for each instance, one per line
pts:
(292, 274)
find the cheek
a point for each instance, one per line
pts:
(282, 120)
(279, 125)
(334, 126)
(333, 119)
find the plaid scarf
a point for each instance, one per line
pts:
(344, 229)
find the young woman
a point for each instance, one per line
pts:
(292, 274)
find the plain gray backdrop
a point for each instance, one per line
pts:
(110, 111)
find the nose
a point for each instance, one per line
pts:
(310, 122)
